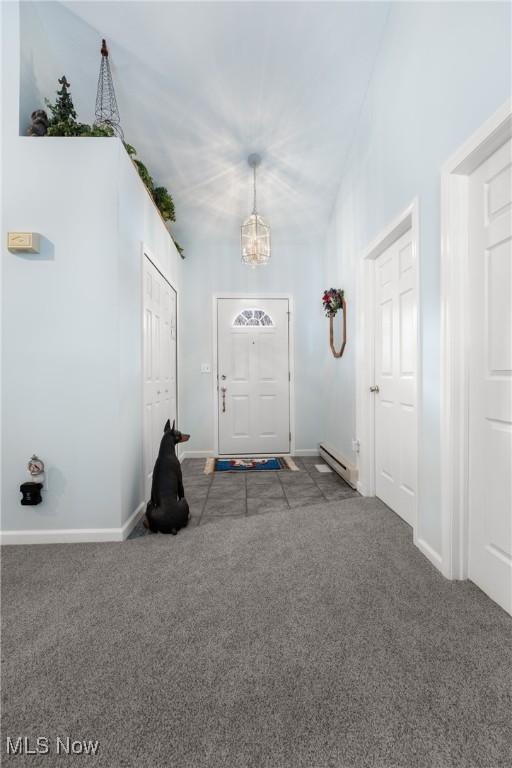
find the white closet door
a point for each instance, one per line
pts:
(168, 350)
(395, 377)
(159, 350)
(253, 369)
(490, 376)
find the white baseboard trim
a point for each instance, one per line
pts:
(72, 535)
(209, 454)
(430, 553)
(197, 455)
(61, 536)
(133, 520)
(361, 488)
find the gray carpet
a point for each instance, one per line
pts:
(308, 638)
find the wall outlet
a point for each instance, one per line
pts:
(206, 368)
(356, 445)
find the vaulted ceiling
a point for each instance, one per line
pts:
(200, 85)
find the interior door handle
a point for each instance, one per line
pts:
(223, 390)
(374, 388)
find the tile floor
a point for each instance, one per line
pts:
(212, 497)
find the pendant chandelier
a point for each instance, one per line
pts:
(255, 232)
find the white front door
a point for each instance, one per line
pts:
(395, 377)
(490, 377)
(159, 350)
(253, 376)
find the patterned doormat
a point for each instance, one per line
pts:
(273, 463)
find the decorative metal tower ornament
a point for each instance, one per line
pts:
(255, 232)
(107, 112)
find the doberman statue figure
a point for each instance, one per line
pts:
(167, 510)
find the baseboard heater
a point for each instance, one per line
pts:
(347, 471)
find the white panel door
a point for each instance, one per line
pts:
(395, 377)
(253, 371)
(159, 352)
(490, 376)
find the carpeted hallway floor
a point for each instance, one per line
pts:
(316, 637)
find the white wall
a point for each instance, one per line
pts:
(72, 322)
(213, 268)
(139, 222)
(60, 327)
(443, 69)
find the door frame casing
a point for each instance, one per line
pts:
(146, 254)
(407, 220)
(455, 341)
(291, 362)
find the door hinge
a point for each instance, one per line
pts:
(289, 376)
(290, 436)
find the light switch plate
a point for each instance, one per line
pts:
(206, 368)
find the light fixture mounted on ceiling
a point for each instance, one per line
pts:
(255, 232)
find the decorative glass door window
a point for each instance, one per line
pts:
(254, 317)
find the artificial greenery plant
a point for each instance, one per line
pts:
(63, 122)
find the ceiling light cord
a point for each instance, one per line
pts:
(254, 188)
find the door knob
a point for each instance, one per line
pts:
(223, 377)
(375, 388)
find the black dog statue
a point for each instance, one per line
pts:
(167, 510)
